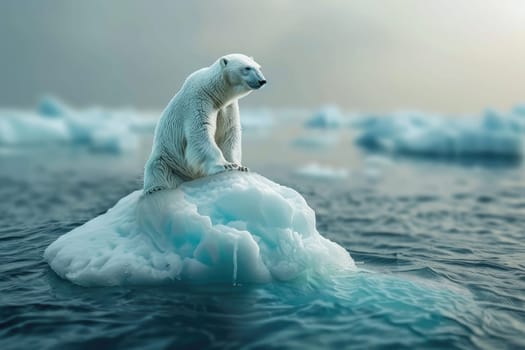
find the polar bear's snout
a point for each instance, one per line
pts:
(257, 84)
(256, 80)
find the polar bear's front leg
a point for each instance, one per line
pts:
(230, 140)
(230, 133)
(202, 151)
(230, 146)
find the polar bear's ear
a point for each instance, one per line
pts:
(224, 62)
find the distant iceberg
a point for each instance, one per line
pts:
(20, 129)
(316, 140)
(56, 123)
(256, 119)
(322, 172)
(492, 135)
(328, 117)
(228, 228)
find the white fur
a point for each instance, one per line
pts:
(199, 132)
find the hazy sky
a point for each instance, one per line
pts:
(438, 55)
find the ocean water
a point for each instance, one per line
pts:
(439, 245)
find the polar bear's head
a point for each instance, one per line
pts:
(242, 72)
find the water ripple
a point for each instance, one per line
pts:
(441, 268)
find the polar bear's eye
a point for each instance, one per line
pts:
(247, 69)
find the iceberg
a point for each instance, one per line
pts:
(254, 120)
(18, 128)
(329, 117)
(55, 123)
(316, 140)
(322, 172)
(232, 227)
(492, 135)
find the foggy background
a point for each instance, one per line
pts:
(447, 56)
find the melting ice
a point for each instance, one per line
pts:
(493, 135)
(55, 123)
(232, 227)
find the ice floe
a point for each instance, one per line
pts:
(328, 117)
(492, 135)
(228, 228)
(55, 123)
(322, 172)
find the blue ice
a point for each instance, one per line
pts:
(54, 123)
(492, 135)
(229, 228)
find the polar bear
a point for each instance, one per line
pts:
(199, 132)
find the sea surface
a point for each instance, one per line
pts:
(440, 246)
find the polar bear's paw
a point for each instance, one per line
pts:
(231, 166)
(235, 166)
(226, 167)
(154, 189)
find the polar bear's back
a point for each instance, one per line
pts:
(176, 121)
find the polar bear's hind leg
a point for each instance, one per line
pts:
(158, 175)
